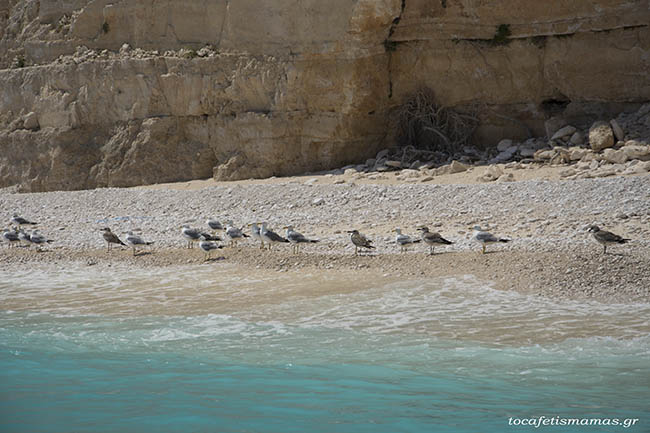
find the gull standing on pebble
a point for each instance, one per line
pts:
(605, 238)
(404, 241)
(20, 221)
(297, 238)
(270, 237)
(38, 239)
(10, 236)
(234, 233)
(207, 247)
(214, 224)
(111, 238)
(135, 241)
(485, 237)
(190, 234)
(359, 241)
(255, 233)
(432, 239)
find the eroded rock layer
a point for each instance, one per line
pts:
(118, 93)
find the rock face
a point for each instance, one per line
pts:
(119, 93)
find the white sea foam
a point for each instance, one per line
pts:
(200, 303)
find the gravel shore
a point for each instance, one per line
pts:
(551, 254)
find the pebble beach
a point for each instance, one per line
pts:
(551, 253)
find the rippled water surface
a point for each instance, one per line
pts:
(218, 348)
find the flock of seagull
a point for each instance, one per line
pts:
(207, 240)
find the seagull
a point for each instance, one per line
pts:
(135, 241)
(432, 238)
(604, 237)
(24, 238)
(270, 237)
(404, 240)
(10, 236)
(192, 235)
(111, 238)
(485, 238)
(214, 224)
(20, 221)
(234, 233)
(38, 239)
(208, 246)
(297, 238)
(255, 232)
(359, 241)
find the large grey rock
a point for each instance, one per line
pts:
(504, 144)
(527, 152)
(563, 132)
(553, 125)
(601, 136)
(577, 138)
(617, 130)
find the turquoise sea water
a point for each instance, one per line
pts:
(194, 350)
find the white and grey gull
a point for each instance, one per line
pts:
(20, 221)
(404, 240)
(271, 237)
(297, 238)
(192, 235)
(135, 241)
(234, 233)
(485, 238)
(432, 239)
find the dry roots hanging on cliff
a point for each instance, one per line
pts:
(427, 129)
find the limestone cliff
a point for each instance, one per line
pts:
(124, 92)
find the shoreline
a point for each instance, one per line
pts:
(561, 274)
(551, 253)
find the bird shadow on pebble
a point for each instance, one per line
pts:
(214, 259)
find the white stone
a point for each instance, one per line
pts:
(542, 155)
(636, 151)
(568, 172)
(31, 121)
(507, 177)
(457, 167)
(318, 201)
(577, 153)
(395, 164)
(614, 156)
